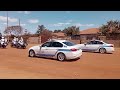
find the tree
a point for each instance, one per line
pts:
(45, 35)
(40, 29)
(73, 30)
(14, 30)
(56, 31)
(110, 27)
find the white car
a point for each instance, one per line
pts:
(97, 46)
(57, 49)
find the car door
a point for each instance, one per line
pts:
(93, 46)
(86, 46)
(44, 49)
(50, 49)
(54, 48)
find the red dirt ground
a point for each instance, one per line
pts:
(15, 64)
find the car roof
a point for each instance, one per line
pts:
(57, 40)
(97, 40)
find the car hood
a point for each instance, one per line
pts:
(35, 47)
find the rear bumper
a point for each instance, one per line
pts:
(74, 55)
(110, 50)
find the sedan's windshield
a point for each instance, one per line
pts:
(69, 43)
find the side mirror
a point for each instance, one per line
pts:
(85, 44)
(40, 47)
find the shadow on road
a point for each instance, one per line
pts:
(96, 52)
(47, 58)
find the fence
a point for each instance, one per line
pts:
(34, 40)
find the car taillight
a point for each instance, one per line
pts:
(73, 49)
(111, 45)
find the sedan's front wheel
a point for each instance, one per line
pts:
(61, 57)
(31, 53)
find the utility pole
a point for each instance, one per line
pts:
(19, 25)
(19, 22)
(7, 18)
(80, 36)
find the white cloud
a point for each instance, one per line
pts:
(19, 11)
(25, 12)
(3, 18)
(12, 19)
(5, 23)
(68, 11)
(60, 24)
(67, 23)
(70, 21)
(33, 21)
(23, 24)
(85, 25)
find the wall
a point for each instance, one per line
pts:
(115, 42)
(75, 41)
(34, 40)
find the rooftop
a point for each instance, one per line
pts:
(90, 31)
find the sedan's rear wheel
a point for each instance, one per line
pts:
(31, 53)
(102, 50)
(61, 57)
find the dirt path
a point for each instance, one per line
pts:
(15, 64)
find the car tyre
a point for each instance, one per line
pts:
(31, 53)
(102, 50)
(61, 57)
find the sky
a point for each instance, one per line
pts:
(54, 20)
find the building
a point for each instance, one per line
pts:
(59, 35)
(89, 34)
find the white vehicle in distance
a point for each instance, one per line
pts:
(57, 49)
(97, 46)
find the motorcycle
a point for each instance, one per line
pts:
(21, 45)
(14, 44)
(3, 44)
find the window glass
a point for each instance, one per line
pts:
(99, 42)
(57, 44)
(90, 42)
(47, 44)
(69, 43)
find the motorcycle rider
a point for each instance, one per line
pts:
(14, 41)
(20, 41)
(2, 41)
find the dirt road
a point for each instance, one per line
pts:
(15, 64)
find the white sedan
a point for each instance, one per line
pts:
(97, 46)
(57, 49)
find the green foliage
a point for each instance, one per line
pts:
(40, 29)
(73, 30)
(56, 31)
(110, 27)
